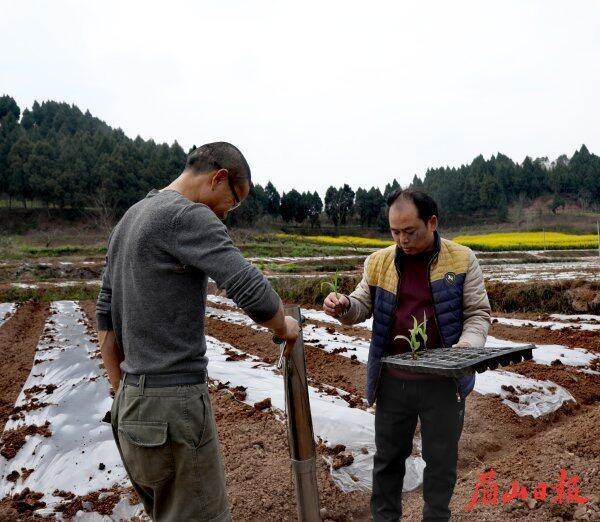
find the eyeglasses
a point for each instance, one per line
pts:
(237, 199)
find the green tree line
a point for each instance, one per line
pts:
(62, 157)
(489, 186)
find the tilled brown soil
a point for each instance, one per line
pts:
(13, 440)
(492, 434)
(573, 446)
(20, 507)
(584, 387)
(321, 366)
(256, 458)
(588, 339)
(490, 427)
(259, 480)
(19, 337)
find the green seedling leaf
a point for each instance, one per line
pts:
(423, 327)
(333, 285)
(417, 330)
(403, 337)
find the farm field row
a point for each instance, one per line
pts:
(526, 401)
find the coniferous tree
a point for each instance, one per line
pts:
(274, 200)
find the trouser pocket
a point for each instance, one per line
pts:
(146, 451)
(199, 420)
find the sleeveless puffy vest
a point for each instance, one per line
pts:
(447, 271)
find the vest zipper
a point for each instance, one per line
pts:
(434, 257)
(458, 399)
(390, 327)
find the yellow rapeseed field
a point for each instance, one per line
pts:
(487, 242)
(338, 240)
(528, 241)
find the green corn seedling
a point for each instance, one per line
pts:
(417, 330)
(334, 285)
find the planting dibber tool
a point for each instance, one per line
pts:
(301, 438)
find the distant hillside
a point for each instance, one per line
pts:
(57, 155)
(54, 155)
(486, 189)
(531, 215)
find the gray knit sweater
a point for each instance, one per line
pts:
(153, 293)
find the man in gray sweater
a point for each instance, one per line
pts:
(150, 315)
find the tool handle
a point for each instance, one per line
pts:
(278, 340)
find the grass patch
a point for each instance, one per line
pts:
(275, 248)
(565, 297)
(284, 268)
(309, 290)
(61, 250)
(295, 268)
(528, 241)
(55, 293)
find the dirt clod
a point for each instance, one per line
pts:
(342, 459)
(13, 440)
(263, 405)
(23, 503)
(13, 476)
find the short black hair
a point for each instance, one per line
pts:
(426, 205)
(220, 155)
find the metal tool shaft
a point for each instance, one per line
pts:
(300, 430)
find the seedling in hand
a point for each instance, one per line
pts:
(417, 330)
(334, 285)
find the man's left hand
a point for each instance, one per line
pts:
(462, 344)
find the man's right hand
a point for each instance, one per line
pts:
(288, 333)
(290, 330)
(335, 304)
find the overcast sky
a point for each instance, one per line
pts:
(325, 92)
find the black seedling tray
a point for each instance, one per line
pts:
(458, 362)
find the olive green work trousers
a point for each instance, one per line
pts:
(168, 441)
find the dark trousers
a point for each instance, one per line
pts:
(399, 403)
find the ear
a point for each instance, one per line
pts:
(433, 223)
(218, 177)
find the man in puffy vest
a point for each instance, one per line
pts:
(422, 275)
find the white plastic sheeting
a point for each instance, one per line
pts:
(546, 353)
(548, 397)
(6, 310)
(333, 420)
(535, 398)
(553, 325)
(588, 269)
(57, 284)
(577, 317)
(69, 459)
(313, 335)
(309, 313)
